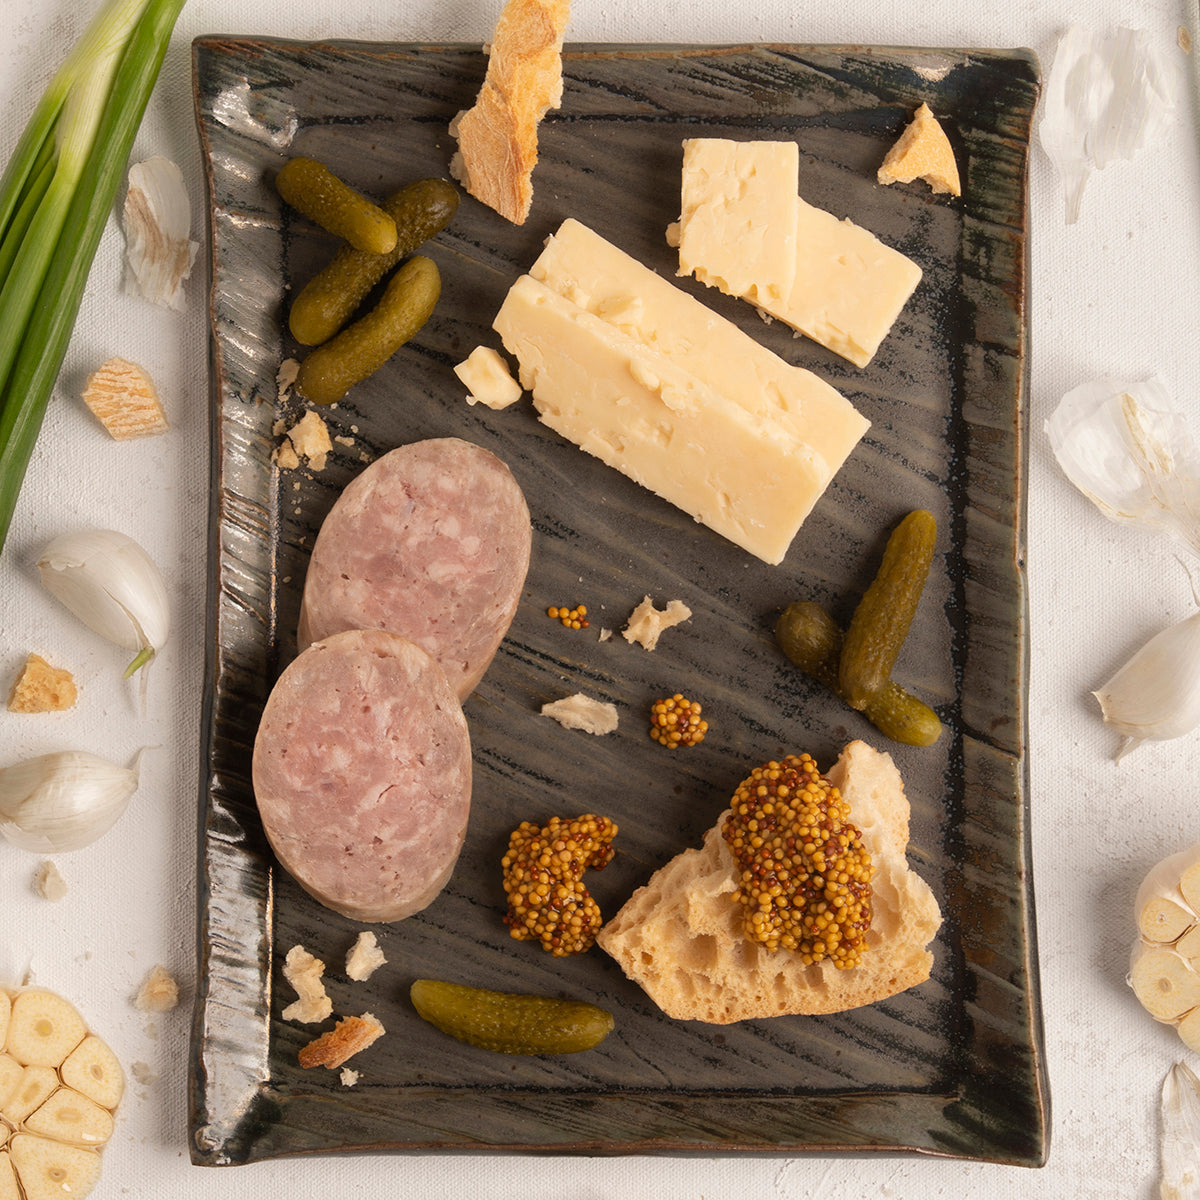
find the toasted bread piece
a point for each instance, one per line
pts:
(922, 152)
(681, 936)
(497, 138)
(343, 1041)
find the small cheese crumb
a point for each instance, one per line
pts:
(42, 688)
(582, 712)
(348, 1077)
(303, 971)
(48, 881)
(922, 152)
(159, 992)
(647, 623)
(347, 1038)
(307, 439)
(488, 379)
(123, 398)
(364, 958)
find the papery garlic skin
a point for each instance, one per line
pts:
(1126, 447)
(109, 582)
(1155, 696)
(1180, 1140)
(157, 220)
(1104, 99)
(62, 801)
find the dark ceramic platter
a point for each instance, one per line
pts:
(954, 1067)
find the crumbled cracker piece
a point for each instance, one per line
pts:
(303, 971)
(285, 377)
(123, 398)
(349, 1036)
(307, 439)
(364, 958)
(647, 623)
(922, 152)
(348, 1077)
(582, 712)
(48, 881)
(159, 992)
(42, 688)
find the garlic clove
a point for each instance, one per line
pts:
(157, 218)
(1180, 1135)
(1155, 696)
(109, 582)
(62, 801)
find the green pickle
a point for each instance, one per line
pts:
(884, 615)
(810, 637)
(508, 1023)
(312, 188)
(330, 298)
(361, 349)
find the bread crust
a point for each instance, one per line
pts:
(680, 937)
(498, 137)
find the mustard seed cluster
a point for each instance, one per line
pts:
(805, 876)
(676, 721)
(572, 618)
(543, 879)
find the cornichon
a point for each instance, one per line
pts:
(362, 348)
(508, 1023)
(312, 188)
(884, 614)
(330, 298)
(811, 638)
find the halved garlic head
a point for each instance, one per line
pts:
(59, 1085)
(1164, 966)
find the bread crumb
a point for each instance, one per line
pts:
(605, 634)
(123, 398)
(303, 971)
(488, 379)
(347, 1038)
(342, 440)
(42, 688)
(348, 1077)
(922, 152)
(647, 623)
(364, 958)
(582, 712)
(285, 377)
(159, 992)
(48, 881)
(307, 439)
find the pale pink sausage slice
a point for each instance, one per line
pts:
(431, 541)
(362, 774)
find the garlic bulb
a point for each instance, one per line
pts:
(108, 581)
(1180, 1138)
(63, 801)
(1155, 696)
(1105, 98)
(1131, 453)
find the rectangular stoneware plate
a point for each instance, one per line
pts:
(953, 1067)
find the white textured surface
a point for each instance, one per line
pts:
(1117, 294)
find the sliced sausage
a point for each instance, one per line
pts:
(362, 774)
(432, 542)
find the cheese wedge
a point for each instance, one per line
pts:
(737, 224)
(744, 476)
(923, 151)
(590, 271)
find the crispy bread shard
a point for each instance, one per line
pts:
(497, 138)
(680, 937)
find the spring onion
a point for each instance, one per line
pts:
(55, 198)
